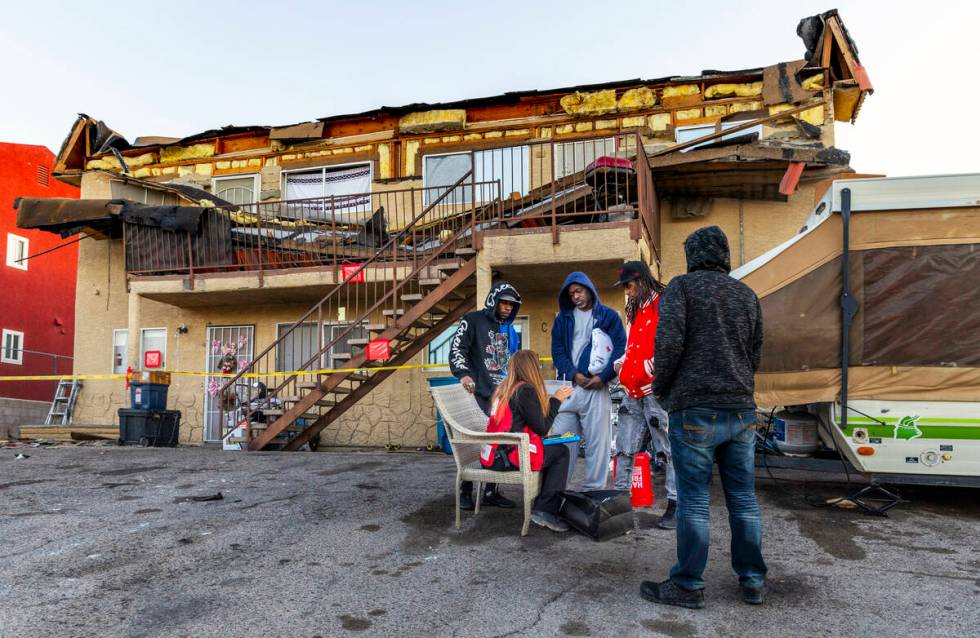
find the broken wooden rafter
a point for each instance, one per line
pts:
(741, 127)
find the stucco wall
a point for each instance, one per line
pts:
(763, 226)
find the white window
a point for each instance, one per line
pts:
(237, 189)
(507, 168)
(119, 355)
(439, 347)
(349, 186)
(17, 251)
(153, 340)
(573, 157)
(13, 347)
(688, 133)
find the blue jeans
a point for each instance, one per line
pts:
(698, 437)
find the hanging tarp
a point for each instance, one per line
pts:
(915, 274)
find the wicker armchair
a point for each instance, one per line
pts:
(466, 426)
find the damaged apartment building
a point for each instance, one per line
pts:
(318, 264)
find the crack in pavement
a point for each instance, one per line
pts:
(540, 614)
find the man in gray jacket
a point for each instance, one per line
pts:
(709, 345)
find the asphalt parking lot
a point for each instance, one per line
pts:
(105, 541)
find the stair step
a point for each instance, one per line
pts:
(360, 377)
(341, 390)
(392, 313)
(376, 327)
(343, 356)
(415, 296)
(295, 399)
(433, 282)
(358, 342)
(307, 385)
(465, 251)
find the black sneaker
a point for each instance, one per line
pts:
(753, 595)
(496, 499)
(466, 501)
(669, 518)
(668, 593)
(546, 519)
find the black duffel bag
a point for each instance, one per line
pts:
(600, 515)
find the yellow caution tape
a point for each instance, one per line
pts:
(231, 375)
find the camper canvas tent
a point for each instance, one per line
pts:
(914, 270)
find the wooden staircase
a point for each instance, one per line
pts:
(410, 291)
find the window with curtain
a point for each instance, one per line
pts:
(239, 190)
(350, 187)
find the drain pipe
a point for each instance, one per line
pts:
(848, 304)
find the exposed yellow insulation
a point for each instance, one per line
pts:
(659, 121)
(811, 116)
(384, 161)
(110, 163)
(688, 114)
(631, 122)
(181, 153)
(814, 82)
(594, 103)
(429, 121)
(741, 107)
(411, 150)
(682, 90)
(716, 110)
(746, 89)
(637, 99)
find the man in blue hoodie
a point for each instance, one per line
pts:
(587, 411)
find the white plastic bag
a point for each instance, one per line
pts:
(601, 351)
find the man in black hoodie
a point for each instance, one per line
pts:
(709, 345)
(478, 356)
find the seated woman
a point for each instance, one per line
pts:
(520, 404)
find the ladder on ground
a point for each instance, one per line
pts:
(64, 402)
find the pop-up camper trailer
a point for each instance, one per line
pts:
(906, 407)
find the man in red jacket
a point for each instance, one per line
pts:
(640, 411)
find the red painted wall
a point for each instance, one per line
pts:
(39, 301)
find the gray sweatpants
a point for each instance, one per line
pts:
(586, 413)
(636, 417)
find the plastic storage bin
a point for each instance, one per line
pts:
(148, 396)
(149, 428)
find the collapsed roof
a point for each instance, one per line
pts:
(828, 47)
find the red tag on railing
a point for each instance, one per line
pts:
(378, 350)
(349, 270)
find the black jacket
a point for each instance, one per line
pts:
(482, 344)
(709, 339)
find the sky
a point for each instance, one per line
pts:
(178, 68)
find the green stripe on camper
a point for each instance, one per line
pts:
(928, 431)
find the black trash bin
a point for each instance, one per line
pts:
(149, 428)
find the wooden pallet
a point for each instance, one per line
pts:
(70, 432)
